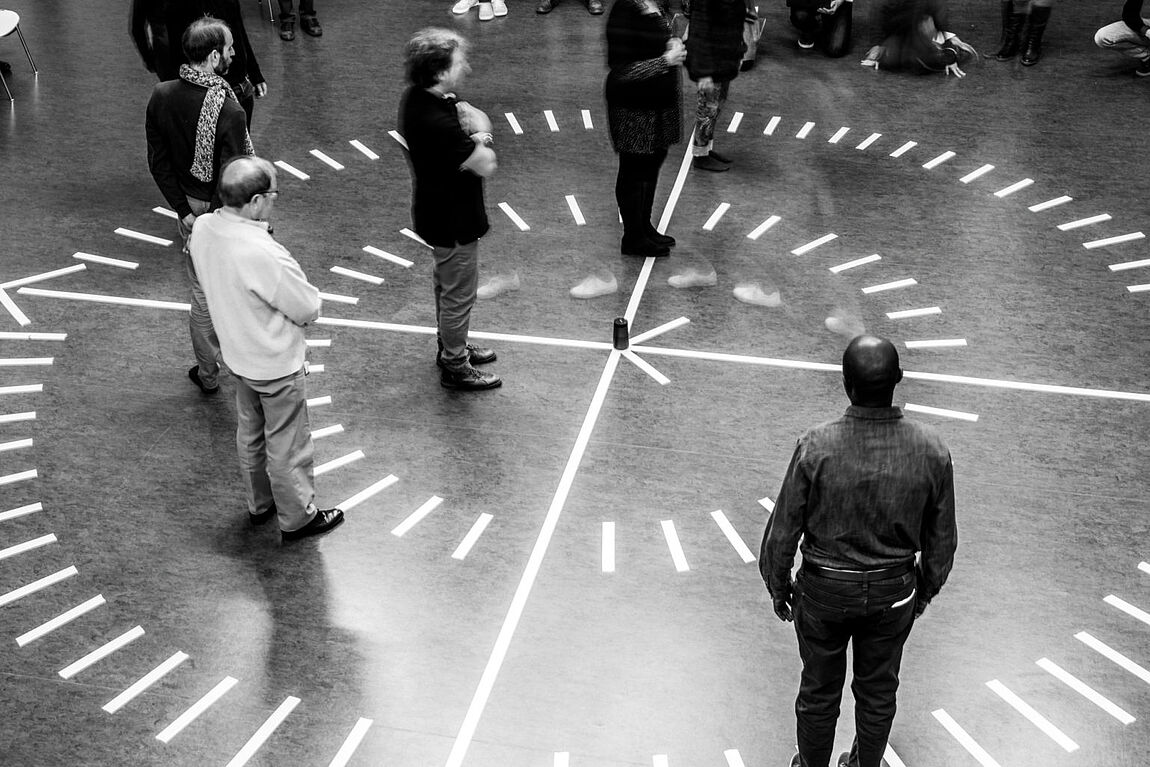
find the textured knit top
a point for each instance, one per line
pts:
(715, 44)
(644, 95)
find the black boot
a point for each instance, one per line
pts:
(653, 234)
(1038, 18)
(630, 195)
(1011, 31)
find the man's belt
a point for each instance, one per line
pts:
(858, 576)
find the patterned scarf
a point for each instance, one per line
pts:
(218, 92)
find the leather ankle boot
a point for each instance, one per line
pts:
(1035, 28)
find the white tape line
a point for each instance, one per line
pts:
(904, 149)
(335, 463)
(515, 218)
(1110, 653)
(166, 212)
(325, 159)
(550, 116)
(1144, 567)
(416, 516)
(13, 309)
(562, 759)
(932, 164)
(317, 401)
(964, 739)
(100, 653)
(144, 682)
(351, 743)
(767, 503)
(312, 342)
(587, 124)
(361, 276)
(805, 130)
(388, 256)
(838, 135)
(15, 444)
(928, 410)
(30, 508)
(608, 547)
(907, 313)
(10, 336)
(19, 476)
(1113, 601)
(660, 330)
(368, 492)
(1085, 690)
(1016, 186)
(771, 125)
(264, 732)
(573, 204)
(734, 758)
(757, 232)
(35, 586)
(1050, 204)
(857, 262)
(25, 361)
(977, 173)
(399, 139)
(513, 123)
(1138, 288)
(646, 367)
(292, 170)
(45, 276)
(143, 237)
(28, 545)
(732, 534)
(804, 249)
(892, 759)
(116, 262)
(903, 283)
(102, 299)
(718, 214)
(408, 233)
(674, 546)
(659, 760)
(62, 619)
(1035, 718)
(1113, 240)
(327, 431)
(197, 708)
(736, 118)
(936, 343)
(1079, 223)
(363, 149)
(866, 142)
(338, 298)
(22, 389)
(472, 536)
(1130, 265)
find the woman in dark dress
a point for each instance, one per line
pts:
(644, 113)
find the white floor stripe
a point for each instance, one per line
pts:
(960, 415)
(608, 547)
(1110, 653)
(335, 463)
(964, 739)
(327, 431)
(732, 534)
(62, 619)
(1050, 204)
(313, 368)
(1144, 567)
(857, 262)
(28, 545)
(472, 536)
(904, 149)
(149, 238)
(554, 126)
(363, 149)
(515, 127)
(1035, 718)
(37, 585)
(197, 708)
(482, 335)
(977, 173)
(317, 401)
(1138, 288)
(805, 130)
(1113, 240)
(674, 546)
(587, 123)
(25, 361)
(745, 359)
(716, 216)
(44, 276)
(659, 760)
(22, 389)
(15, 444)
(144, 682)
(368, 492)
(338, 298)
(736, 119)
(361, 276)
(388, 256)
(102, 299)
(399, 139)
(1016, 186)
(264, 732)
(936, 343)
(757, 232)
(932, 164)
(354, 738)
(10, 336)
(1081, 222)
(907, 313)
(1130, 265)
(312, 342)
(326, 159)
(515, 217)
(838, 135)
(168, 212)
(408, 233)
(1113, 601)
(866, 142)
(10, 305)
(1084, 690)
(904, 283)
(660, 330)
(804, 249)
(21, 511)
(1024, 386)
(646, 367)
(892, 758)
(734, 759)
(19, 476)
(292, 170)
(119, 263)
(562, 759)
(416, 516)
(771, 125)
(767, 503)
(100, 653)
(573, 204)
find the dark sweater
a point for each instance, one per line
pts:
(715, 43)
(171, 17)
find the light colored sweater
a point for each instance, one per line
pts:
(257, 295)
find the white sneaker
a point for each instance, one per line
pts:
(693, 278)
(500, 283)
(499, 7)
(753, 293)
(485, 11)
(848, 327)
(463, 6)
(593, 287)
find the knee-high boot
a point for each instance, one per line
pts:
(653, 234)
(630, 195)
(1039, 15)
(1011, 31)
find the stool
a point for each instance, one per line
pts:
(271, 13)
(9, 22)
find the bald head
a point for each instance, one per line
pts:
(871, 371)
(244, 177)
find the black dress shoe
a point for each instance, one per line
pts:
(660, 239)
(643, 247)
(468, 379)
(194, 374)
(719, 157)
(310, 25)
(476, 355)
(323, 521)
(711, 163)
(264, 516)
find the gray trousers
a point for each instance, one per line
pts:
(205, 345)
(456, 278)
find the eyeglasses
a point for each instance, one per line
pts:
(268, 192)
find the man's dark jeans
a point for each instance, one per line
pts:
(876, 617)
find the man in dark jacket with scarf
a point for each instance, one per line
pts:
(715, 49)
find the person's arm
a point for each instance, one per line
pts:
(293, 296)
(232, 132)
(481, 161)
(781, 538)
(1132, 15)
(939, 539)
(622, 42)
(254, 73)
(161, 165)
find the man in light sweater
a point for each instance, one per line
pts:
(261, 301)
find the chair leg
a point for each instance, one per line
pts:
(5, 82)
(27, 52)
(271, 12)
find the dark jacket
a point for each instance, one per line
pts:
(166, 21)
(715, 44)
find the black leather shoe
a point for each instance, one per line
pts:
(194, 374)
(324, 521)
(545, 6)
(595, 7)
(476, 355)
(721, 158)
(665, 240)
(264, 516)
(644, 248)
(469, 379)
(310, 25)
(287, 29)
